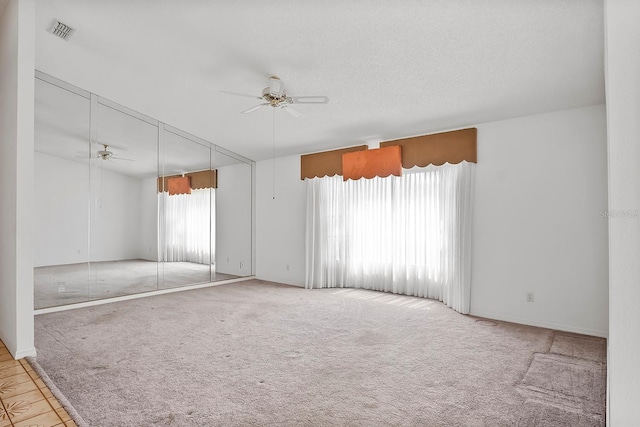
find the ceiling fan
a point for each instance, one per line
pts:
(106, 154)
(276, 96)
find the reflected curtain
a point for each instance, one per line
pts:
(187, 226)
(407, 235)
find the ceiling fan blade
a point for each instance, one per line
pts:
(101, 145)
(241, 94)
(295, 113)
(252, 109)
(121, 158)
(309, 99)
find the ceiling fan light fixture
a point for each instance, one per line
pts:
(276, 87)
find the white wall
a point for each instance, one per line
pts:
(280, 222)
(16, 175)
(61, 223)
(148, 220)
(233, 220)
(62, 202)
(623, 110)
(540, 191)
(115, 215)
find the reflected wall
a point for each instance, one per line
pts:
(127, 204)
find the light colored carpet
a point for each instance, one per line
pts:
(73, 283)
(257, 353)
(62, 399)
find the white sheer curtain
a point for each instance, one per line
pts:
(407, 235)
(187, 224)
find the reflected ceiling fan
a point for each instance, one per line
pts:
(106, 154)
(275, 96)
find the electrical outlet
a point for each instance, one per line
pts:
(61, 287)
(241, 264)
(529, 296)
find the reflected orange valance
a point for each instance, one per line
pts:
(179, 185)
(380, 162)
(197, 180)
(438, 148)
(326, 163)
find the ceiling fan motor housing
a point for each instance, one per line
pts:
(273, 99)
(105, 154)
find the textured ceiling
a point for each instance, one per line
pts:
(391, 69)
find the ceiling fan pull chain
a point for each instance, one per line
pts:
(273, 155)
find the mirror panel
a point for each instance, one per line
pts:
(61, 187)
(233, 213)
(124, 163)
(186, 231)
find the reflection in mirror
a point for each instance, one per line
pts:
(129, 204)
(233, 213)
(124, 165)
(61, 186)
(186, 196)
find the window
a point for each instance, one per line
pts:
(407, 235)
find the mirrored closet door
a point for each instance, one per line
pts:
(127, 204)
(61, 188)
(122, 205)
(186, 192)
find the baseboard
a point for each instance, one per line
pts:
(29, 352)
(539, 324)
(280, 280)
(135, 296)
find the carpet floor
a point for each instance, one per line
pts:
(256, 353)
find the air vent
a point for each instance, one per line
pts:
(61, 30)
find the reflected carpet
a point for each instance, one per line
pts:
(57, 285)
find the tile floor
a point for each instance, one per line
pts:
(25, 400)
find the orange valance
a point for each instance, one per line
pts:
(435, 149)
(197, 180)
(179, 185)
(380, 162)
(438, 148)
(326, 163)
